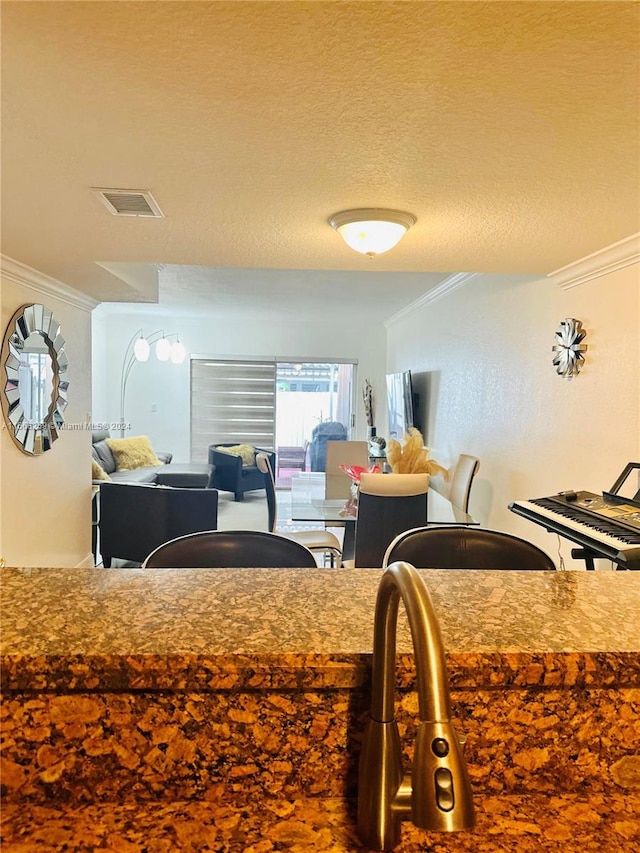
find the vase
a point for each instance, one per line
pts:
(351, 506)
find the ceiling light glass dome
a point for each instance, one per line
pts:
(372, 231)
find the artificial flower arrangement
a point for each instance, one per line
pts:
(354, 472)
(413, 456)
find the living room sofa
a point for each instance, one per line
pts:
(182, 475)
(135, 518)
(233, 474)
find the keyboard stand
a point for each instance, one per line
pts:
(587, 555)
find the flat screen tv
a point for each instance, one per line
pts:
(401, 404)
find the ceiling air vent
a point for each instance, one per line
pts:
(129, 202)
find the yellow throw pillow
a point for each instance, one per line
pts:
(245, 451)
(98, 472)
(135, 452)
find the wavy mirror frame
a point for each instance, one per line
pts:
(33, 438)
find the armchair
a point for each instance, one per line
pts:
(231, 475)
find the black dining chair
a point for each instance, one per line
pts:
(220, 549)
(463, 547)
(387, 505)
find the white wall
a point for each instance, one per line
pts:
(45, 501)
(100, 367)
(494, 393)
(165, 386)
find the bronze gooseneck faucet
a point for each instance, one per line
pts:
(436, 795)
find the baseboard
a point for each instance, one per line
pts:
(87, 563)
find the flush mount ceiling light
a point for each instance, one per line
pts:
(372, 231)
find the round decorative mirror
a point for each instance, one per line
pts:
(34, 393)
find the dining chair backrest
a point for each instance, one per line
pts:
(387, 505)
(217, 549)
(394, 485)
(464, 547)
(460, 487)
(337, 483)
(262, 461)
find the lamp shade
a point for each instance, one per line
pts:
(178, 352)
(141, 349)
(163, 349)
(372, 231)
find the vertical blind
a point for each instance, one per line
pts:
(231, 401)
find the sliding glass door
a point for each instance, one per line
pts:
(310, 394)
(290, 406)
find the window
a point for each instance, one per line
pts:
(268, 403)
(231, 401)
(309, 393)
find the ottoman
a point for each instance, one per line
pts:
(186, 475)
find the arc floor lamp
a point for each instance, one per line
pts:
(139, 349)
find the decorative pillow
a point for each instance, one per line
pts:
(131, 453)
(98, 472)
(245, 451)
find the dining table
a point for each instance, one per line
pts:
(309, 504)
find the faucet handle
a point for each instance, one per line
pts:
(441, 793)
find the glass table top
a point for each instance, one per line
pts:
(309, 504)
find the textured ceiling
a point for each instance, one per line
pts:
(510, 130)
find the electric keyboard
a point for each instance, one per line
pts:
(605, 526)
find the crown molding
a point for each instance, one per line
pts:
(20, 273)
(614, 257)
(453, 282)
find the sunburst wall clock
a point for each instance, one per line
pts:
(568, 357)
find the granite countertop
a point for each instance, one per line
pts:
(113, 628)
(104, 630)
(525, 824)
